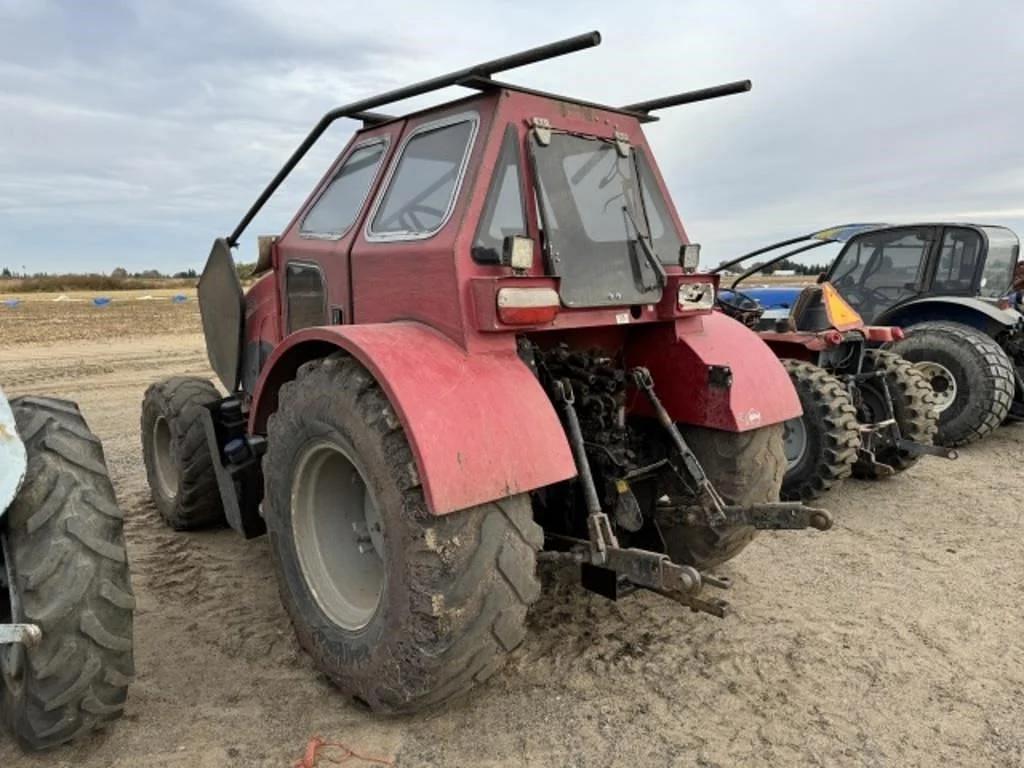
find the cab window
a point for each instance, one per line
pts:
(958, 261)
(421, 192)
(333, 214)
(503, 210)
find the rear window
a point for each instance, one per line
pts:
(1003, 250)
(421, 192)
(338, 206)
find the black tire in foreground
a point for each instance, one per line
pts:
(821, 446)
(401, 609)
(66, 572)
(745, 468)
(913, 407)
(179, 467)
(971, 375)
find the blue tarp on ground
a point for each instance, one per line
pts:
(101, 301)
(179, 298)
(12, 303)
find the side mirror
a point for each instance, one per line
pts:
(689, 257)
(517, 252)
(821, 277)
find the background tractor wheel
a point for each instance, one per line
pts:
(820, 446)
(178, 462)
(913, 406)
(400, 608)
(66, 571)
(971, 375)
(746, 468)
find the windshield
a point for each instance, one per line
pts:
(997, 275)
(602, 229)
(879, 269)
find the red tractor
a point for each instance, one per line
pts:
(867, 411)
(480, 337)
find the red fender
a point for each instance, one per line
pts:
(480, 425)
(680, 356)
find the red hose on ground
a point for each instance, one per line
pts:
(316, 744)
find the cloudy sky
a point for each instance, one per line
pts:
(134, 132)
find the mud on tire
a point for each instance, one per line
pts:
(829, 429)
(455, 588)
(746, 468)
(913, 405)
(69, 575)
(981, 370)
(174, 447)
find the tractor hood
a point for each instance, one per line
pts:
(13, 460)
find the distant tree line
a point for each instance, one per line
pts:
(244, 270)
(785, 265)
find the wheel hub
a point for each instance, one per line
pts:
(338, 533)
(942, 382)
(794, 436)
(165, 463)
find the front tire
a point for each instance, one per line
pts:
(822, 444)
(971, 375)
(415, 609)
(66, 571)
(745, 468)
(913, 407)
(179, 466)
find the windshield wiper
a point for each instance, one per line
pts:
(640, 242)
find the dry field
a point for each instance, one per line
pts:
(896, 639)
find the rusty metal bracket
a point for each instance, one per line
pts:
(622, 143)
(541, 130)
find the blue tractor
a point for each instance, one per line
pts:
(948, 285)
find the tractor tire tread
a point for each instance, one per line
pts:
(71, 576)
(471, 574)
(179, 400)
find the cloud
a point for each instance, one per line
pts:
(135, 132)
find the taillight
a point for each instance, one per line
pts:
(527, 306)
(693, 296)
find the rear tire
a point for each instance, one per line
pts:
(913, 406)
(970, 373)
(745, 468)
(828, 426)
(179, 466)
(67, 573)
(450, 598)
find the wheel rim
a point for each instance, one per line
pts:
(338, 534)
(163, 458)
(794, 436)
(942, 382)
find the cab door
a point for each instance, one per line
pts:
(313, 257)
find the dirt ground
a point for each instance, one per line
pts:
(896, 639)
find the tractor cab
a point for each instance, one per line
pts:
(880, 271)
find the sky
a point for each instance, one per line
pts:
(134, 133)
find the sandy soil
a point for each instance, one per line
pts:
(893, 640)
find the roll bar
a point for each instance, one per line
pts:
(363, 108)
